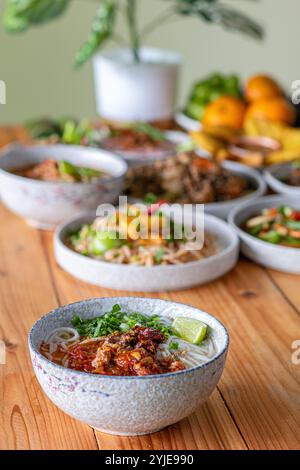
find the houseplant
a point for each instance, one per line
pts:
(136, 82)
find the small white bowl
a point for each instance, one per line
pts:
(145, 278)
(187, 123)
(127, 405)
(45, 204)
(137, 158)
(277, 257)
(275, 175)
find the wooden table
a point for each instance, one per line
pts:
(257, 402)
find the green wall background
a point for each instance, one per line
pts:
(38, 66)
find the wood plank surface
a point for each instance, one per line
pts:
(211, 428)
(256, 405)
(289, 285)
(28, 418)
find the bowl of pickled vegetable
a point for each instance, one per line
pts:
(49, 183)
(269, 229)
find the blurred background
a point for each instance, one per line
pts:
(41, 80)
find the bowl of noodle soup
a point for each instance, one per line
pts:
(129, 404)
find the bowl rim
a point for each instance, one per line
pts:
(273, 180)
(267, 143)
(223, 350)
(186, 122)
(244, 235)
(63, 184)
(234, 244)
(250, 173)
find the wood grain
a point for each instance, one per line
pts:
(257, 403)
(289, 285)
(28, 419)
(210, 428)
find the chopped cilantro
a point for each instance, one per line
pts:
(173, 346)
(116, 320)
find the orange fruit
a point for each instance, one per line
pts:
(261, 87)
(274, 110)
(226, 111)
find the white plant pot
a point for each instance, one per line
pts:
(130, 91)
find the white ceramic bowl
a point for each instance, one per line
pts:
(272, 256)
(46, 204)
(137, 158)
(187, 123)
(144, 278)
(127, 405)
(275, 176)
(222, 209)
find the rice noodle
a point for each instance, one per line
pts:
(63, 335)
(190, 354)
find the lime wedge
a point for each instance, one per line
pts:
(189, 329)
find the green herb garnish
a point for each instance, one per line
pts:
(115, 321)
(173, 346)
(150, 198)
(67, 168)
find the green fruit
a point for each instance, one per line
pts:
(216, 80)
(191, 330)
(195, 111)
(201, 91)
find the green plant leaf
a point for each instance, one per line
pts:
(215, 12)
(21, 14)
(102, 29)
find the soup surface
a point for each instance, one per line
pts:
(52, 170)
(130, 344)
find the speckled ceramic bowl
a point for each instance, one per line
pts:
(272, 256)
(145, 278)
(46, 204)
(127, 405)
(275, 176)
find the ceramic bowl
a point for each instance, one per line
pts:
(145, 278)
(137, 158)
(275, 176)
(245, 146)
(127, 405)
(272, 256)
(46, 204)
(187, 123)
(222, 209)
